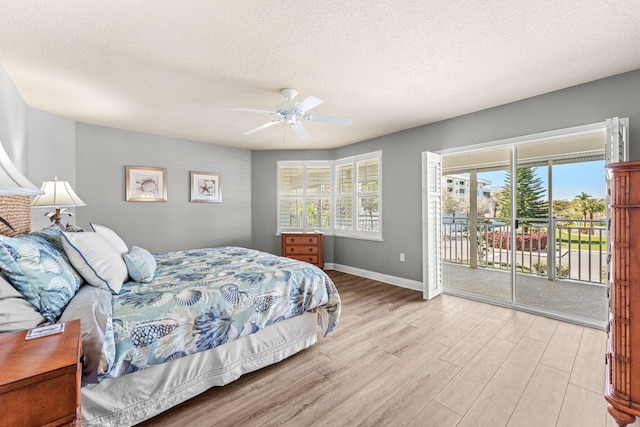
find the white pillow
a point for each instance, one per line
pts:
(96, 260)
(112, 237)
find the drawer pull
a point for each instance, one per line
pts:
(310, 249)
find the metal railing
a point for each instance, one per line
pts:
(577, 248)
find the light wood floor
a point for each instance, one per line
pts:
(396, 360)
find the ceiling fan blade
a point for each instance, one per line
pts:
(300, 131)
(264, 126)
(308, 103)
(249, 110)
(329, 119)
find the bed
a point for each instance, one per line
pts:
(171, 325)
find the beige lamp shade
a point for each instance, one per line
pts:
(57, 194)
(12, 182)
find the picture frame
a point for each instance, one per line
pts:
(205, 187)
(145, 184)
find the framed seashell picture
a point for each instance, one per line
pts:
(205, 187)
(145, 184)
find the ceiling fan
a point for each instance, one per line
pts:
(294, 114)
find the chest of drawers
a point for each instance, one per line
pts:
(304, 247)
(622, 389)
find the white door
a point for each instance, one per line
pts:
(431, 225)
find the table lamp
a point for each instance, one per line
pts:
(57, 194)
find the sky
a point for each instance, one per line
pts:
(568, 180)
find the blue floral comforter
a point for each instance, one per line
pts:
(200, 299)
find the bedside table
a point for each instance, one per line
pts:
(40, 378)
(304, 247)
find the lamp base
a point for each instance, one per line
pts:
(55, 218)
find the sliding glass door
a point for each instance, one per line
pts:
(524, 225)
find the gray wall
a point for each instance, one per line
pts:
(401, 171)
(40, 144)
(101, 156)
(50, 152)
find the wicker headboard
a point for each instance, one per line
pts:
(16, 210)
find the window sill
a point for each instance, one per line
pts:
(374, 238)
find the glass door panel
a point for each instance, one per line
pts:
(580, 247)
(475, 261)
(531, 251)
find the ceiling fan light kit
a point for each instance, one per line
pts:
(289, 94)
(294, 114)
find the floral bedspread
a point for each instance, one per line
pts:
(200, 299)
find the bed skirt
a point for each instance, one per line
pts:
(135, 397)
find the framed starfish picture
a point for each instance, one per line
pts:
(205, 187)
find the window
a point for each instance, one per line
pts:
(304, 196)
(358, 196)
(342, 197)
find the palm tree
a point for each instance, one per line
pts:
(594, 206)
(582, 202)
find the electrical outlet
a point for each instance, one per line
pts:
(401, 257)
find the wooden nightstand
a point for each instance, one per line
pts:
(40, 378)
(304, 247)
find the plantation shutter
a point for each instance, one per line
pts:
(431, 225)
(368, 195)
(304, 196)
(344, 196)
(617, 150)
(318, 197)
(291, 188)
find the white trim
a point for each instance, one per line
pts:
(535, 137)
(373, 275)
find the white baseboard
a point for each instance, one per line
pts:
(393, 280)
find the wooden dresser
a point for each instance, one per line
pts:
(40, 378)
(622, 387)
(304, 247)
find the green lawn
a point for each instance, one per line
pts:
(597, 243)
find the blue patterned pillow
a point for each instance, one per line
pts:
(39, 272)
(141, 265)
(53, 235)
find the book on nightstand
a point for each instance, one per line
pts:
(45, 331)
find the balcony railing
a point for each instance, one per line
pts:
(577, 248)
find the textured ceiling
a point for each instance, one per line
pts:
(177, 68)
